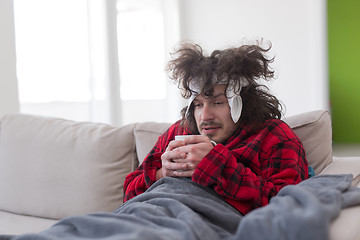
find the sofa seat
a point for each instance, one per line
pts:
(12, 223)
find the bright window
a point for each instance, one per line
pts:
(53, 56)
(67, 55)
(141, 50)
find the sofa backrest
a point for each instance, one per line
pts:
(315, 132)
(55, 168)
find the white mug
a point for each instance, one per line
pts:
(182, 137)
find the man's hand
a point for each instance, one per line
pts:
(182, 157)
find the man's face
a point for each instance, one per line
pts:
(212, 115)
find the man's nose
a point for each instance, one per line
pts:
(207, 113)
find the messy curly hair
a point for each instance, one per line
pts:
(233, 67)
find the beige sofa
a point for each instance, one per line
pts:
(53, 168)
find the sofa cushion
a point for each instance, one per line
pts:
(55, 168)
(146, 135)
(315, 131)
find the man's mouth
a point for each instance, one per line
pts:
(209, 129)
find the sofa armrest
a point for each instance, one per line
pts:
(345, 165)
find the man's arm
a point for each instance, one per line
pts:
(135, 182)
(168, 163)
(149, 171)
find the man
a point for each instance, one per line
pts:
(240, 149)
(238, 156)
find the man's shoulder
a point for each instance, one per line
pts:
(279, 129)
(272, 130)
(177, 128)
(178, 125)
(276, 123)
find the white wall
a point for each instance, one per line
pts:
(8, 83)
(297, 30)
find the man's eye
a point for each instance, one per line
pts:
(219, 103)
(197, 105)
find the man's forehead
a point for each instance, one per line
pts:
(212, 96)
(216, 90)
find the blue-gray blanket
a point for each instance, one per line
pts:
(177, 208)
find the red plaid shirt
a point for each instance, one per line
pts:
(246, 171)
